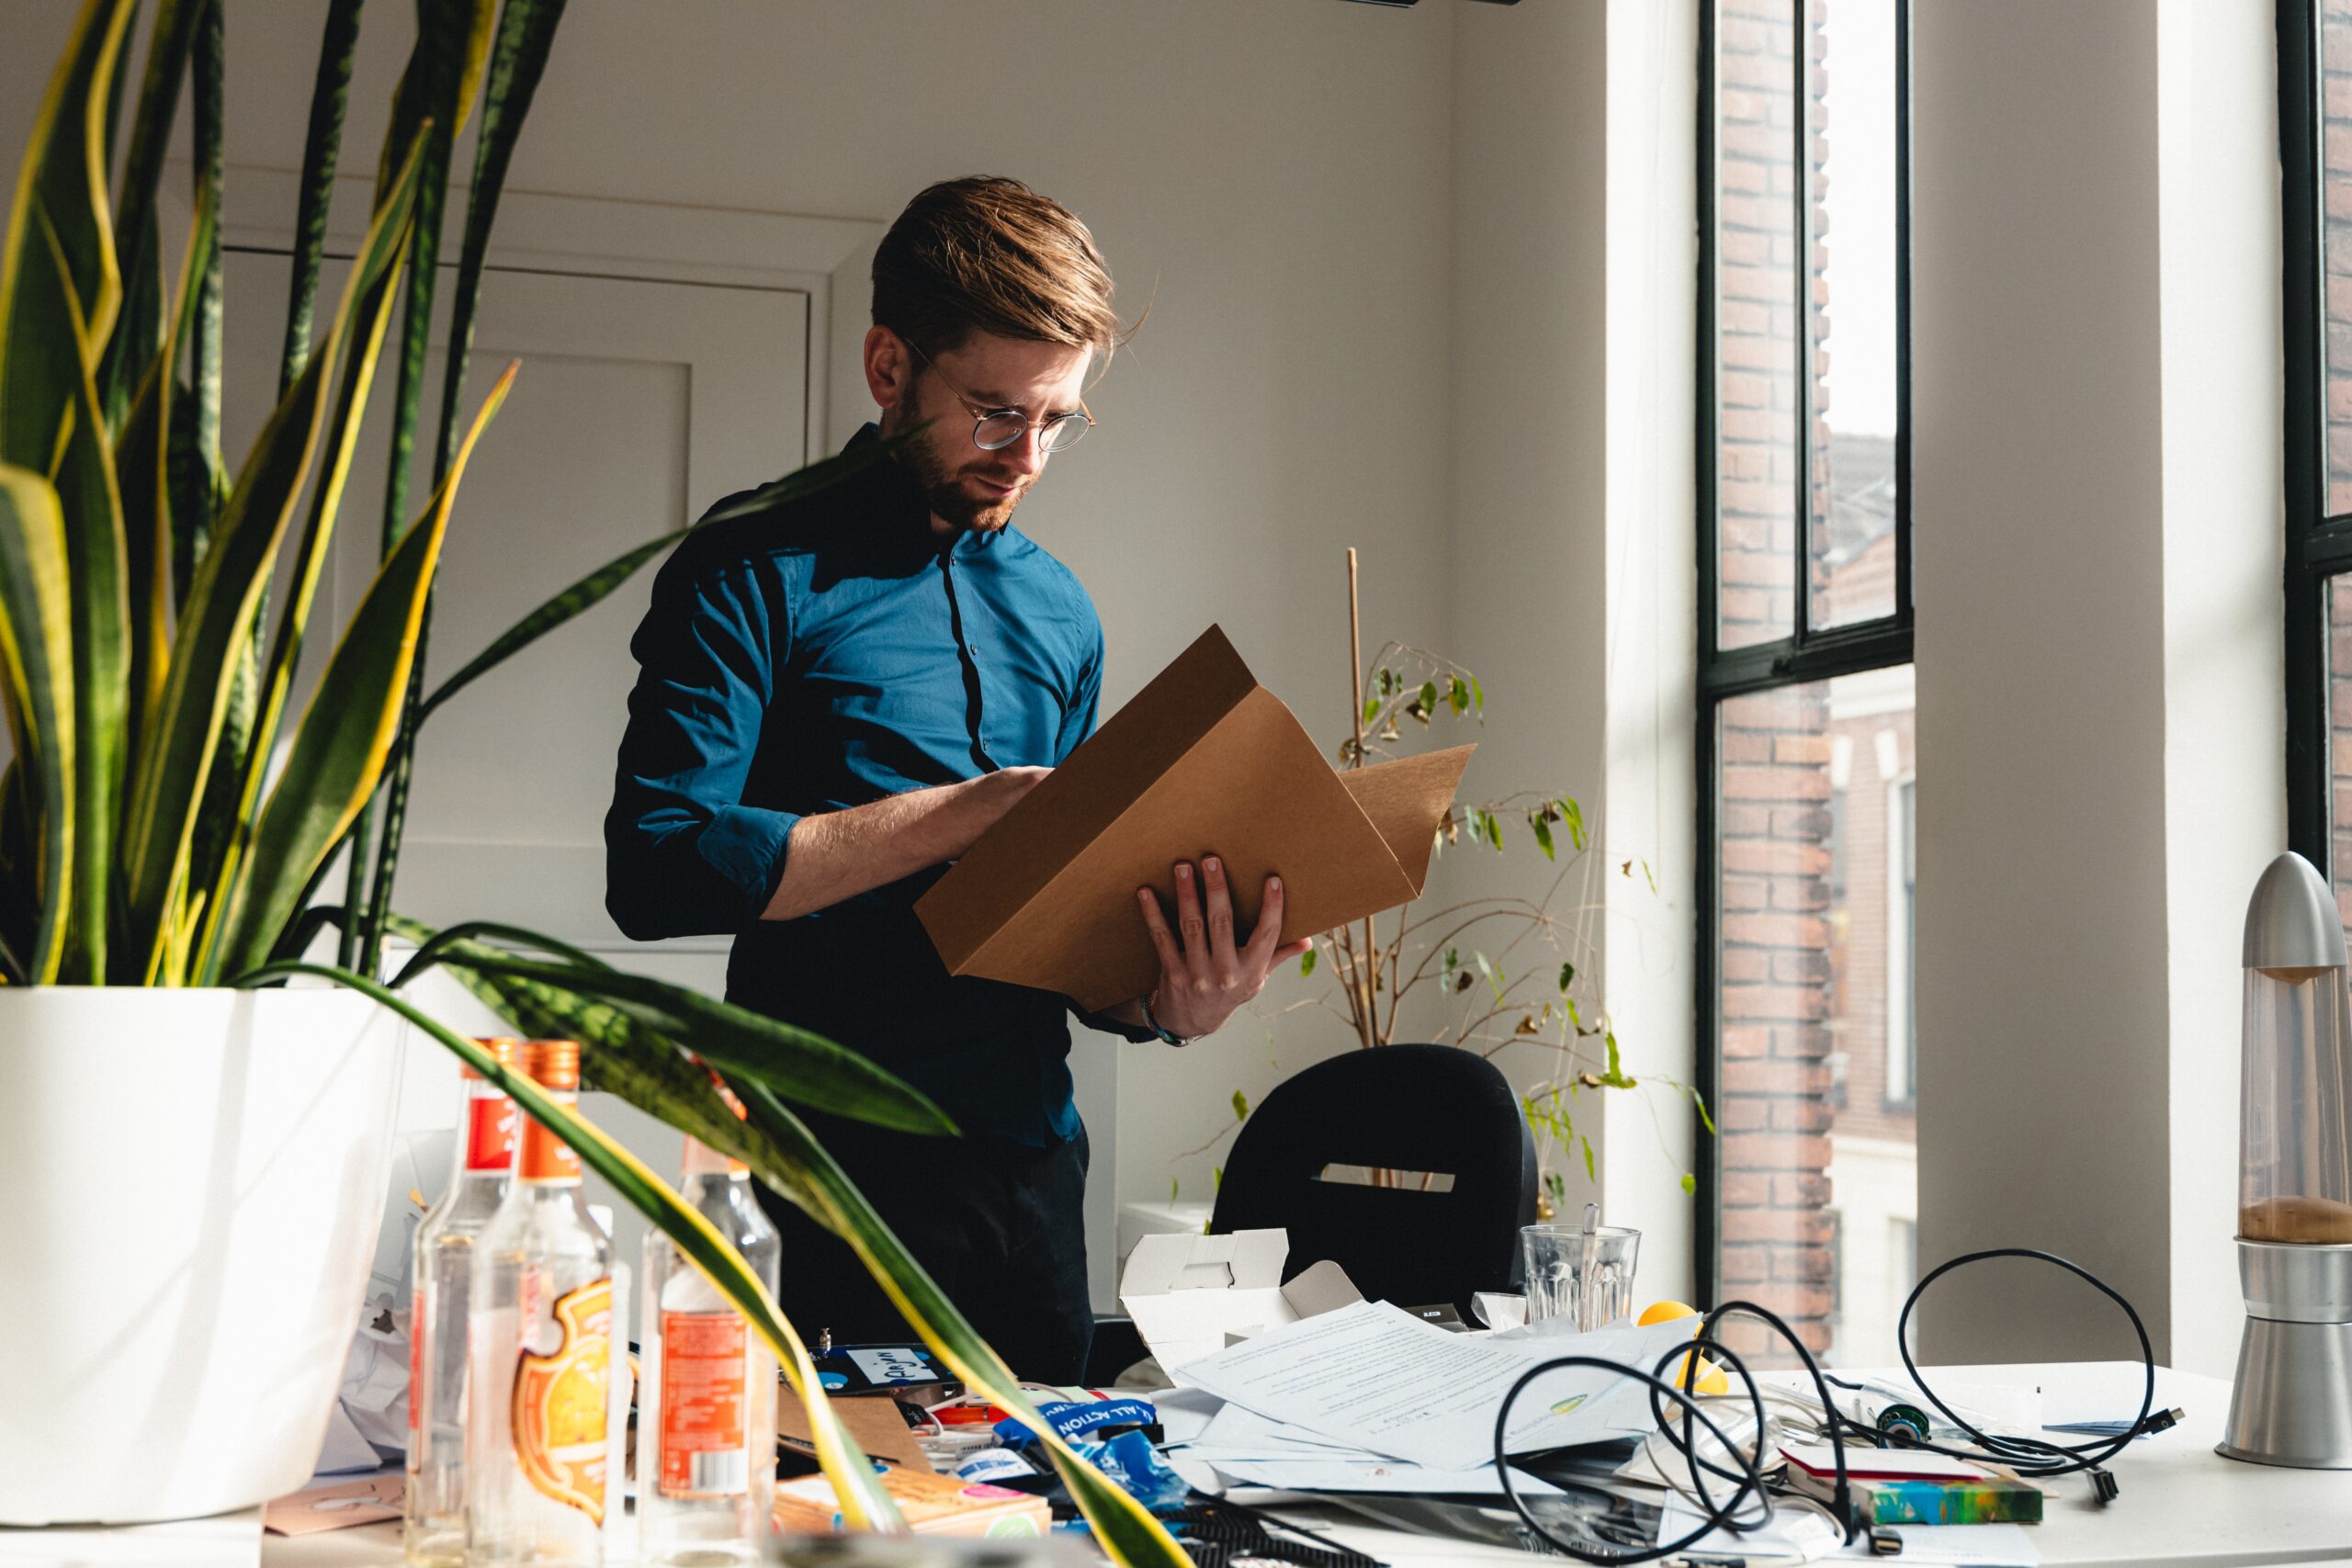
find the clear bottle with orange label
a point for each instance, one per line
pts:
(706, 1464)
(542, 1326)
(434, 1535)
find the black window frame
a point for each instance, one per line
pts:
(1809, 653)
(2318, 547)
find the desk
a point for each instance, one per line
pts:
(2181, 1504)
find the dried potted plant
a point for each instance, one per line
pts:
(1500, 969)
(193, 1128)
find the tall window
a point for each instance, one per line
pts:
(2315, 154)
(1804, 650)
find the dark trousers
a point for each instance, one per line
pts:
(999, 1225)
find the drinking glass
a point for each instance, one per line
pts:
(1573, 1273)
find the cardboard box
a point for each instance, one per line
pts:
(872, 1418)
(1205, 761)
(1193, 1296)
(932, 1504)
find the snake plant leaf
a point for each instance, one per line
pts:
(865, 1504)
(37, 664)
(92, 508)
(207, 74)
(139, 333)
(525, 31)
(450, 37)
(583, 595)
(220, 614)
(139, 458)
(646, 1068)
(63, 175)
(516, 60)
(433, 945)
(330, 93)
(340, 746)
(599, 584)
(143, 469)
(792, 1161)
(804, 1067)
(274, 686)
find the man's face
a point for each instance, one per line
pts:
(969, 489)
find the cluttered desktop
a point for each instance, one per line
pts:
(1277, 1422)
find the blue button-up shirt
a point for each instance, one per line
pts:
(817, 656)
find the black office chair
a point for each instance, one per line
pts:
(1420, 1108)
(1433, 1109)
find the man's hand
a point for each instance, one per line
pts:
(1203, 978)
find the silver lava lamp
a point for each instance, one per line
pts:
(2293, 1402)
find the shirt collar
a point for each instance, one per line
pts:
(899, 499)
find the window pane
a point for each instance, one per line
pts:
(2338, 654)
(1853, 108)
(1817, 1095)
(2336, 170)
(1757, 273)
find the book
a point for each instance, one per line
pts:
(1977, 1500)
(932, 1504)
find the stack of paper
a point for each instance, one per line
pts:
(1369, 1398)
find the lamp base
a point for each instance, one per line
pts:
(2293, 1401)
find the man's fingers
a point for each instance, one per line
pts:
(1223, 965)
(1269, 931)
(1193, 928)
(1164, 942)
(1289, 951)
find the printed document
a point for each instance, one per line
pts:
(1374, 1377)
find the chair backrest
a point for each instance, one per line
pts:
(1419, 1109)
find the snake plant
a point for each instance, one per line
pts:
(146, 674)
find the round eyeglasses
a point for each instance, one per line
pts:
(995, 429)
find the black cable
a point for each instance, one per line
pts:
(2030, 1457)
(1685, 1447)
(1751, 1483)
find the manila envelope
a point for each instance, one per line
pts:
(1205, 761)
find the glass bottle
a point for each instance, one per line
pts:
(434, 1530)
(542, 1355)
(705, 1466)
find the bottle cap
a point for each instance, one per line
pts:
(553, 1064)
(500, 1047)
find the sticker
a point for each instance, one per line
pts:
(490, 1134)
(702, 1373)
(891, 1364)
(993, 1464)
(833, 1381)
(546, 1157)
(559, 1408)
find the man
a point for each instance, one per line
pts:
(837, 697)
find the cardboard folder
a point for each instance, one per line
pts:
(1205, 761)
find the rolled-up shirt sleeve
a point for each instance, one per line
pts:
(683, 854)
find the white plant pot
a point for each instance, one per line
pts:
(191, 1183)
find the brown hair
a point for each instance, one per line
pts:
(990, 254)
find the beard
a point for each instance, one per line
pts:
(948, 488)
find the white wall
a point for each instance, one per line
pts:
(2099, 719)
(1416, 280)
(1652, 585)
(1572, 586)
(2225, 542)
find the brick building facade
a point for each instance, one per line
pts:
(1811, 779)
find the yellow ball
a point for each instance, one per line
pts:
(1711, 1378)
